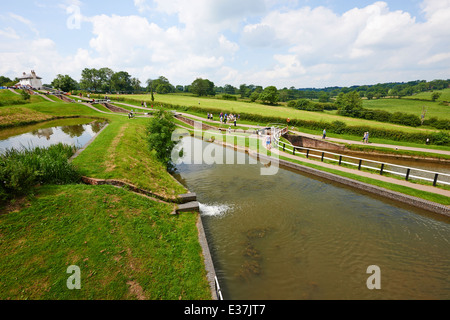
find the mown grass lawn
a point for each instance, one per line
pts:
(121, 152)
(126, 246)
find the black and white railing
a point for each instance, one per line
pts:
(408, 173)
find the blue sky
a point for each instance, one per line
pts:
(299, 43)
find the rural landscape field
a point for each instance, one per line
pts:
(255, 166)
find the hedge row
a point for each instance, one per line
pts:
(307, 105)
(382, 116)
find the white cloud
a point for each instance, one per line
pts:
(25, 22)
(9, 32)
(264, 42)
(362, 40)
(141, 5)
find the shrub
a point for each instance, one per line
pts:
(159, 130)
(440, 138)
(228, 97)
(21, 170)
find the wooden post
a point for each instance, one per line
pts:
(435, 180)
(382, 168)
(407, 174)
(360, 163)
(340, 160)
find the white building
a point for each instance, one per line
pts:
(30, 80)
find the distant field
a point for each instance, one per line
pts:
(445, 95)
(409, 106)
(256, 108)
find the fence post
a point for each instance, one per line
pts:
(360, 163)
(293, 151)
(340, 160)
(323, 155)
(407, 174)
(435, 180)
(284, 146)
(382, 168)
(307, 154)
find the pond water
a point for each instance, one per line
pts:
(291, 236)
(75, 132)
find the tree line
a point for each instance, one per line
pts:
(105, 80)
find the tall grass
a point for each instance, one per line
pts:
(21, 170)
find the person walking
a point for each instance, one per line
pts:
(324, 134)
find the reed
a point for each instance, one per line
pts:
(22, 169)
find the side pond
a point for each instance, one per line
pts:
(74, 131)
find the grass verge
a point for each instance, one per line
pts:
(126, 246)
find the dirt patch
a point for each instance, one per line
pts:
(15, 205)
(136, 290)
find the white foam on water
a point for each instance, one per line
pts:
(214, 210)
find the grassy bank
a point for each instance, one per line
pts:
(121, 152)
(126, 246)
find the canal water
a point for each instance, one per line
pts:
(291, 236)
(76, 132)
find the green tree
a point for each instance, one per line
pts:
(243, 89)
(121, 82)
(202, 87)
(229, 89)
(159, 130)
(64, 83)
(254, 96)
(160, 85)
(136, 84)
(435, 96)
(4, 80)
(349, 104)
(270, 95)
(104, 76)
(324, 97)
(90, 80)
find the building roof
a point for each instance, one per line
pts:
(31, 75)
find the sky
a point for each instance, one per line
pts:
(284, 43)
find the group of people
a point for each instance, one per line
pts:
(144, 104)
(225, 118)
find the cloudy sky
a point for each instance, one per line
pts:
(299, 43)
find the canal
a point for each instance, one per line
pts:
(292, 236)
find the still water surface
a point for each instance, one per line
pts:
(75, 132)
(291, 236)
